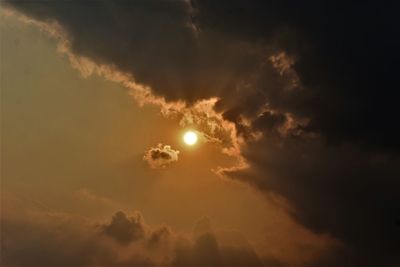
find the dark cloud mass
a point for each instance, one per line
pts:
(317, 79)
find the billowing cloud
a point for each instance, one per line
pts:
(161, 156)
(49, 239)
(302, 94)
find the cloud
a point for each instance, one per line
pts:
(302, 95)
(336, 54)
(124, 229)
(340, 190)
(161, 156)
(197, 113)
(85, 195)
(206, 248)
(159, 237)
(49, 239)
(241, 58)
(53, 239)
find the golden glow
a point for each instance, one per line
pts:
(190, 138)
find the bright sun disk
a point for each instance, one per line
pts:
(190, 138)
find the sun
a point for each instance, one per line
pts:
(190, 138)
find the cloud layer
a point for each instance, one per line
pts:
(49, 239)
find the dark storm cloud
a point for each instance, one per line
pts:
(346, 56)
(345, 181)
(340, 190)
(156, 41)
(317, 79)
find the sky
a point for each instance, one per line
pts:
(294, 105)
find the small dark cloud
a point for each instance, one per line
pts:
(161, 156)
(125, 229)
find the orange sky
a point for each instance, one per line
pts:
(75, 145)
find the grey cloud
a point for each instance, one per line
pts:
(154, 41)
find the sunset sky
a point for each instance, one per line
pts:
(294, 107)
